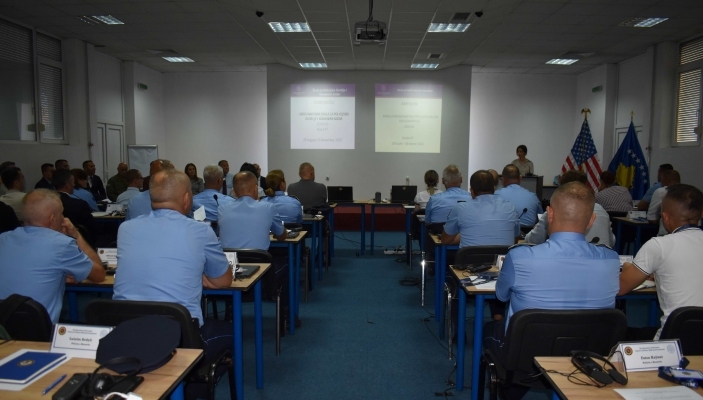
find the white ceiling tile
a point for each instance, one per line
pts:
(329, 17)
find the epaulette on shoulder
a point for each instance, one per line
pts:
(290, 195)
(521, 245)
(602, 245)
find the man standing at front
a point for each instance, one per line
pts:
(38, 257)
(118, 183)
(166, 256)
(526, 203)
(675, 259)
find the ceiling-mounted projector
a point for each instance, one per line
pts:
(370, 32)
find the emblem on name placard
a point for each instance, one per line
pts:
(25, 363)
(62, 330)
(628, 351)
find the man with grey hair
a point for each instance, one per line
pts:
(141, 203)
(307, 191)
(50, 251)
(166, 256)
(440, 204)
(211, 197)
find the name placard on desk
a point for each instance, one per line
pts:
(79, 341)
(109, 256)
(649, 356)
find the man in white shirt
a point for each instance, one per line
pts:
(134, 183)
(14, 179)
(654, 210)
(600, 229)
(675, 260)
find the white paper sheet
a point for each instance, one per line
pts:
(669, 393)
(199, 214)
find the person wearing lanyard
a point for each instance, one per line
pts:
(674, 259)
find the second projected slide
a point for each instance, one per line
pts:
(408, 118)
(322, 116)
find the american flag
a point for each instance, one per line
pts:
(583, 157)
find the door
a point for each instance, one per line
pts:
(111, 138)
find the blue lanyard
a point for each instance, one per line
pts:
(685, 227)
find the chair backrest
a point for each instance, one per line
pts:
(479, 254)
(253, 256)
(533, 333)
(25, 319)
(113, 312)
(685, 324)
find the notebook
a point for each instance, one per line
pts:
(245, 271)
(403, 194)
(340, 194)
(28, 365)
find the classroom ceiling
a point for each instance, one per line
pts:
(224, 35)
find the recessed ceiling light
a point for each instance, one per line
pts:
(642, 22)
(177, 59)
(562, 61)
(435, 27)
(100, 19)
(313, 65)
(424, 66)
(289, 27)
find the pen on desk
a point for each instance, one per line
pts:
(53, 384)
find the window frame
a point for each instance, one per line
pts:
(680, 69)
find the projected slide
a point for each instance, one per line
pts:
(322, 116)
(408, 118)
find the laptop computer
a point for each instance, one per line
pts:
(340, 194)
(403, 194)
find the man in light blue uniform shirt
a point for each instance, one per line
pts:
(246, 223)
(212, 196)
(439, 205)
(484, 220)
(643, 205)
(38, 257)
(166, 256)
(141, 203)
(526, 203)
(134, 184)
(565, 273)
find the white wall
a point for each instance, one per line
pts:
(635, 95)
(106, 82)
(508, 110)
(144, 109)
(214, 116)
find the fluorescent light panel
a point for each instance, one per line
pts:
(279, 27)
(562, 61)
(177, 59)
(100, 19)
(445, 28)
(313, 65)
(424, 66)
(642, 22)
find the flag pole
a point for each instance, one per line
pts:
(585, 112)
(632, 116)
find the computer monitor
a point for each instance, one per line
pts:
(340, 194)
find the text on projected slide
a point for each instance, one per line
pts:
(408, 118)
(322, 116)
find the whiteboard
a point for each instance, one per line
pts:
(139, 156)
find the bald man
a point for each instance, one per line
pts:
(140, 204)
(166, 256)
(118, 183)
(38, 258)
(673, 259)
(564, 273)
(309, 192)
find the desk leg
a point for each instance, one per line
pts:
(440, 286)
(259, 343)
(373, 225)
(291, 290)
(618, 238)
(238, 345)
(320, 246)
(460, 345)
(310, 268)
(638, 239)
(331, 218)
(363, 229)
(178, 392)
(408, 240)
(654, 312)
(437, 287)
(296, 284)
(478, 339)
(73, 306)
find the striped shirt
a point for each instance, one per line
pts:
(615, 198)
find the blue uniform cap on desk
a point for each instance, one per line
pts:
(152, 339)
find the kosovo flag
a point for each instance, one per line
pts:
(630, 166)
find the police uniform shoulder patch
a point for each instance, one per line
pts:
(602, 245)
(521, 245)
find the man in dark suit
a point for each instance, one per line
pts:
(95, 184)
(47, 172)
(74, 209)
